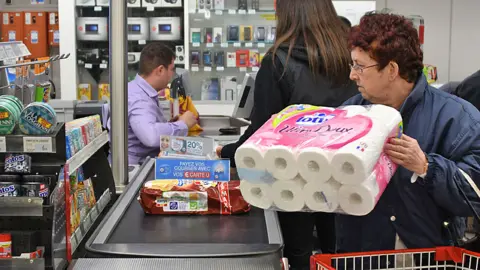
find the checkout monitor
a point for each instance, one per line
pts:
(244, 105)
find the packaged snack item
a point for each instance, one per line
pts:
(5, 245)
(178, 197)
(18, 163)
(38, 119)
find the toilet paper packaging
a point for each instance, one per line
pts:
(360, 199)
(300, 158)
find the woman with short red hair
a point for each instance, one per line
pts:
(438, 155)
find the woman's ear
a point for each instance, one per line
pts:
(393, 70)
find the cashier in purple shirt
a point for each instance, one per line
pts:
(146, 122)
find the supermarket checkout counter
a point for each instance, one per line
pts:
(248, 241)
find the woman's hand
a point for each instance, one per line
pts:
(407, 153)
(219, 151)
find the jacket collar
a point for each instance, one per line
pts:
(416, 95)
(146, 87)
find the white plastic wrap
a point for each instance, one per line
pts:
(319, 159)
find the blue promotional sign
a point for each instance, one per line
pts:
(206, 170)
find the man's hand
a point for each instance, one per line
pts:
(188, 118)
(407, 153)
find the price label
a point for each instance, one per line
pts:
(261, 45)
(232, 11)
(97, 9)
(243, 69)
(224, 45)
(252, 11)
(142, 42)
(220, 68)
(196, 44)
(87, 223)
(255, 69)
(207, 69)
(103, 66)
(3, 145)
(73, 242)
(37, 145)
(237, 44)
(242, 12)
(249, 44)
(88, 66)
(218, 12)
(209, 45)
(195, 69)
(94, 213)
(150, 8)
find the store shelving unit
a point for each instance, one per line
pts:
(216, 70)
(93, 47)
(47, 224)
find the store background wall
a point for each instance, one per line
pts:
(49, 5)
(465, 39)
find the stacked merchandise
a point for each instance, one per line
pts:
(82, 197)
(192, 158)
(37, 118)
(81, 132)
(319, 159)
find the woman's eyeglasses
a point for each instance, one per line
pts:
(359, 69)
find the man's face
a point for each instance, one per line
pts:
(372, 83)
(164, 75)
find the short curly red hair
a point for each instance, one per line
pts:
(389, 37)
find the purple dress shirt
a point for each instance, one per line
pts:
(146, 122)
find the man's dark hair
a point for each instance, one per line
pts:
(154, 55)
(346, 21)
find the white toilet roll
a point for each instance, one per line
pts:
(250, 162)
(322, 197)
(256, 194)
(281, 162)
(359, 200)
(354, 109)
(314, 164)
(353, 163)
(288, 195)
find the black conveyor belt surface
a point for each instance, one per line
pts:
(136, 227)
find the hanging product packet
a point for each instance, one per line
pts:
(319, 159)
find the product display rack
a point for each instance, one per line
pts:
(47, 225)
(225, 41)
(144, 21)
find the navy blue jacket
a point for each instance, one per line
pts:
(447, 129)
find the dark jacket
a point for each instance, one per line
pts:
(469, 89)
(447, 129)
(274, 92)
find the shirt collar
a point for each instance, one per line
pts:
(146, 87)
(416, 95)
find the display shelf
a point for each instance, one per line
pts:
(21, 206)
(20, 143)
(224, 43)
(22, 264)
(220, 12)
(85, 225)
(83, 155)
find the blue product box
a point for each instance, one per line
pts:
(206, 170)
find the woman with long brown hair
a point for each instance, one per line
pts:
(308, 64)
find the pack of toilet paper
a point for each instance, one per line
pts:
(319, 159)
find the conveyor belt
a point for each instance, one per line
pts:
(136, 227)
(127, 232)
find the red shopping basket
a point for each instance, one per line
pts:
(435, 258)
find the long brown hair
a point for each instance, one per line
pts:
(315, 22)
